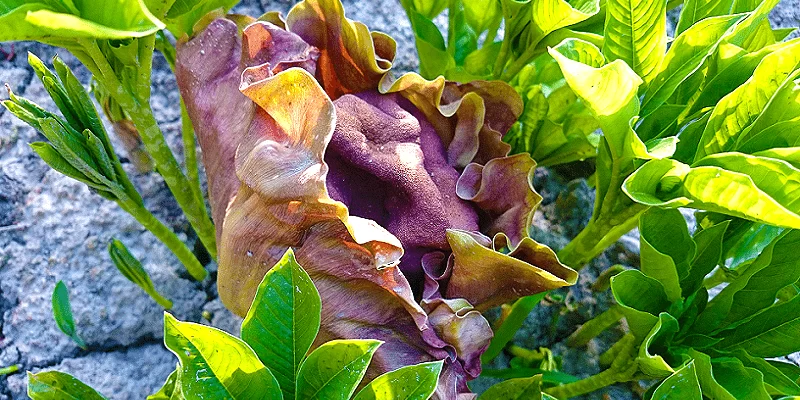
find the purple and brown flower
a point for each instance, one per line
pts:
(397, 196)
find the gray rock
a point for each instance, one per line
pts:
(130, 373)
(52, 228)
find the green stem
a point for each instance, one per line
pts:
(502, 58)
(623, 368)
(615, 350)
(9, 370)
(520, 62)
(598, 235)
(595, 326)
(603, 282)
(166, 236)
(141, 114)
(587, 385)
(187, 131)
(190, 153)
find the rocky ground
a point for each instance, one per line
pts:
(52, 228)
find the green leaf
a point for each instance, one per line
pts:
(740, 381)
(730, 68)
(770, 333)
(551, 15)
(184, 14)
(283, 320)
(686, 55)
(741, 108)
(780, 135)
(461, 37)
(434, 60)
(49, 21)
(413, 382)
(756, 287)
(653, 364)
(482, 15)
(642, 299)
(96, 149)
(55, 89)
(776, 380)
(132, 269)
(216, 365)
(170, 390)
(636, 32)
(694, 11)
(555, 127)
(528, 23)
(51, 157)
(750, 187)
(666, 249)
(72, 150)
(515, 389)
(511, 324)
(62, 313)
(705, 374)
(333, 370)
(610, 93)
(54, 385)
(683, 384)
(707, 257)
(82, 105)
(427, 8)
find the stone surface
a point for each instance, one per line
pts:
(53, 228)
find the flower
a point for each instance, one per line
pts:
(397, 196)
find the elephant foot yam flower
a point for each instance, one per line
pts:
(398, 197)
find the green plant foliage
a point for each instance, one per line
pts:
(689, 120)
(555, 128)
(79, 147)
(62, 313)
(170, 390)
(715, 346)
(180, 16)
(414, 382)
(115, 40)
(54, 385)
(682, 384)
(333, 370)
(515, 389)
(289, 297)
(56, 22)
(636, 32)
(9, 370)
(219, 365)
(216, 365)
(132, 269)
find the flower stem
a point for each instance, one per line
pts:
(166, 236)
(137, 106)
(190, 153)
(598, 235)
(623, 369)
(587, 385)
(595, 326)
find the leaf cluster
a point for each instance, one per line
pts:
(721, 346)
(271, 360)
